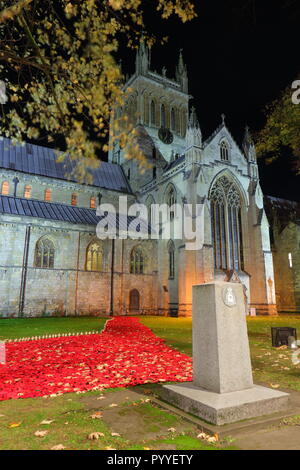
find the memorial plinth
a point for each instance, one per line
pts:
(222, 390)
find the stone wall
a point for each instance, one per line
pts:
(67, 288)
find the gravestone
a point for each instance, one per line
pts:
(222, 390)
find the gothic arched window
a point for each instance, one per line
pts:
(173, 120)
(163, 116)
(94, 257)
(44, 253)
(5, 188)
(171, 252)
(224, 151)
(171, 200)
(152, 113)
(226, 225)
(137, 261)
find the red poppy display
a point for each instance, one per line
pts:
(126, 353)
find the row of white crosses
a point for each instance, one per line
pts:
(33, 338)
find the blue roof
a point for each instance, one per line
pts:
(62, 212)
(42, 161)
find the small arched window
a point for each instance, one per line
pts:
(152, 112)
(44, 253)
(171, 251)
(74, 199)
(171, 201)
(27, 191)
(93, 203)
(48, 195)
(137, 261)
(94, 257)
(5, 188)
(224, 151)
(163, 116)
(173, 119)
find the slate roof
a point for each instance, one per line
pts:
(283, 210)
(62, 212)
(41, 161)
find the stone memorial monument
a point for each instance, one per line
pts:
(222, 390)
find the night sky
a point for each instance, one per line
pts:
(240, 55)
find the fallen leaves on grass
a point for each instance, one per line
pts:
(58, 447)
(275, 385)
(172, 429)
(47, 421)
(41, 433)
(208, 437)
(14, 425)
(97, 415)
(95, 435)
(115, 434)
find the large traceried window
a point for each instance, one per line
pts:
(137, 261)
(94, 257)
(226, 225)
(44, 253)
(171, 251)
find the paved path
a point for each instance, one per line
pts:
(283, 438)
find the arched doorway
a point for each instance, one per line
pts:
(134, 301)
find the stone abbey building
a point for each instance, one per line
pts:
(51, 261)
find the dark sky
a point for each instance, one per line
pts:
(240, 55)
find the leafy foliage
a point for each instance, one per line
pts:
(58, 60)
(281, 128)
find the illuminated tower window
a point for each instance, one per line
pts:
(290, 257)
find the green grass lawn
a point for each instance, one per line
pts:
(270, 365)
(69, 416)
(13, 328)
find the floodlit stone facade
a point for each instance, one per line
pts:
(284, 218)
(59, 267)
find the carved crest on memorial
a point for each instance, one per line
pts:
(229, 297)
